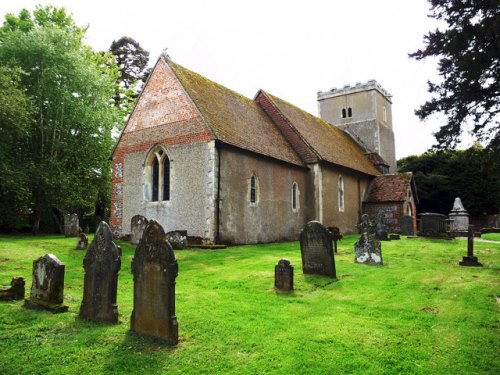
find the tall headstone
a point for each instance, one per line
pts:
(155, 268)
(71, 225)
(470, 260)
(47, 288)
(367, 249)
(15, 291)
(137, 226)
(316, 250)
(283, 275)
(82, 242)
(407, 226)
(459, 217)
(101, 265)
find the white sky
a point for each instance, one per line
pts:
(290, 48)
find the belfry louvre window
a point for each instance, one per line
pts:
(160, 176)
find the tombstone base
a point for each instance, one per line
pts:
(469, 261)
(36, 304)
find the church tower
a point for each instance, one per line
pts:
(364, 112)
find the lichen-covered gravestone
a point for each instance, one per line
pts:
(82, 242)
(177, 240)
(283, 275)
(101, 265)
(137, 226)
(406, 226)
(15, 291)
(155, 268)
(367, 249)
(316, 250)
(47, 289)
(71, 225)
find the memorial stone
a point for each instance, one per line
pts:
(177, 240)
(336, 236)
(137, 225)
(155, 268)
(82, 242)
(459, 217)
(381, 231)
(101, 265)
(316, 250)
(71, 225)
(47, 289)
(15, 291)
(470, 260)
(432, 224)
(283, 275)
(406, 226)
(367, 249)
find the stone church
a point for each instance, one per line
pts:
(199, 157)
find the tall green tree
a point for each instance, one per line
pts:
(469, 65)
(70, 88)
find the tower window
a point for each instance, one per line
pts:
(384, 114)
(349, 112)
(344, 113)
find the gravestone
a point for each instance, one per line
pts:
(47, 288)
(432, 224)
(336, 236)
(154, 268)
(177, 240)
(406, 226)
(381, 231)
(459, 217)
(394, 237)
(71, 225)
(470, 260)
(82, 242)
(367, 249)
(101, 265)
(316, 250)
(137, 225)
(15, 291)
(283, 275)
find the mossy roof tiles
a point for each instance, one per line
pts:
(389, 188)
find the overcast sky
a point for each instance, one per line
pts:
(289, 48)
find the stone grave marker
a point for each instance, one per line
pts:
(82, 242)
(459, 217)
(71, 225)
(47, 288)
(177, 240)
(15, 291)
(316, 250)
(432, 224)
(381, 233)
(101, 265)
(137, 225)
(367, 249)
(336, 236)
(470, 260)
(406, 226)
(155, 268)
(283, 275)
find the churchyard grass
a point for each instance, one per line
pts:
(419, 313)
(491, 236)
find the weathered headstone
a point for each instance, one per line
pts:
(15, 291)
(137, 225)
(101, 265)
(82, 242)
(459, 217)
(336, 236)
(406, 226)
(394, 237)
(367, 249)
(432, 224)
(47, 288)
(381, 233)
(177, 240)
(71, 225)
(155, 268)
(283, 275)
(316, 250)
(470, 260)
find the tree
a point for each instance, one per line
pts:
(469, 51)
(71, 116)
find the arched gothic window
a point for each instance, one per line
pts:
(253, 190)
(341, 194)
(158, 176)
(295, 197)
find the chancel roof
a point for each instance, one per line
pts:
(391, 188)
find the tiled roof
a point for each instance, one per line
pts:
(234, 118)
(376, 159)
(389, 188)
(329, 142)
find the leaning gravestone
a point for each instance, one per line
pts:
(101, 265)
(137, 225)
(283, 275)
(82, 242)
(155, 268)
(406, 226)
(71, 225)
(367, 249)
(316, 250)
(47, 289)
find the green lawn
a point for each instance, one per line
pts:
(491, 236)
(419, 313)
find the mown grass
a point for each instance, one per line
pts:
(491, 236)
(419, 313)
